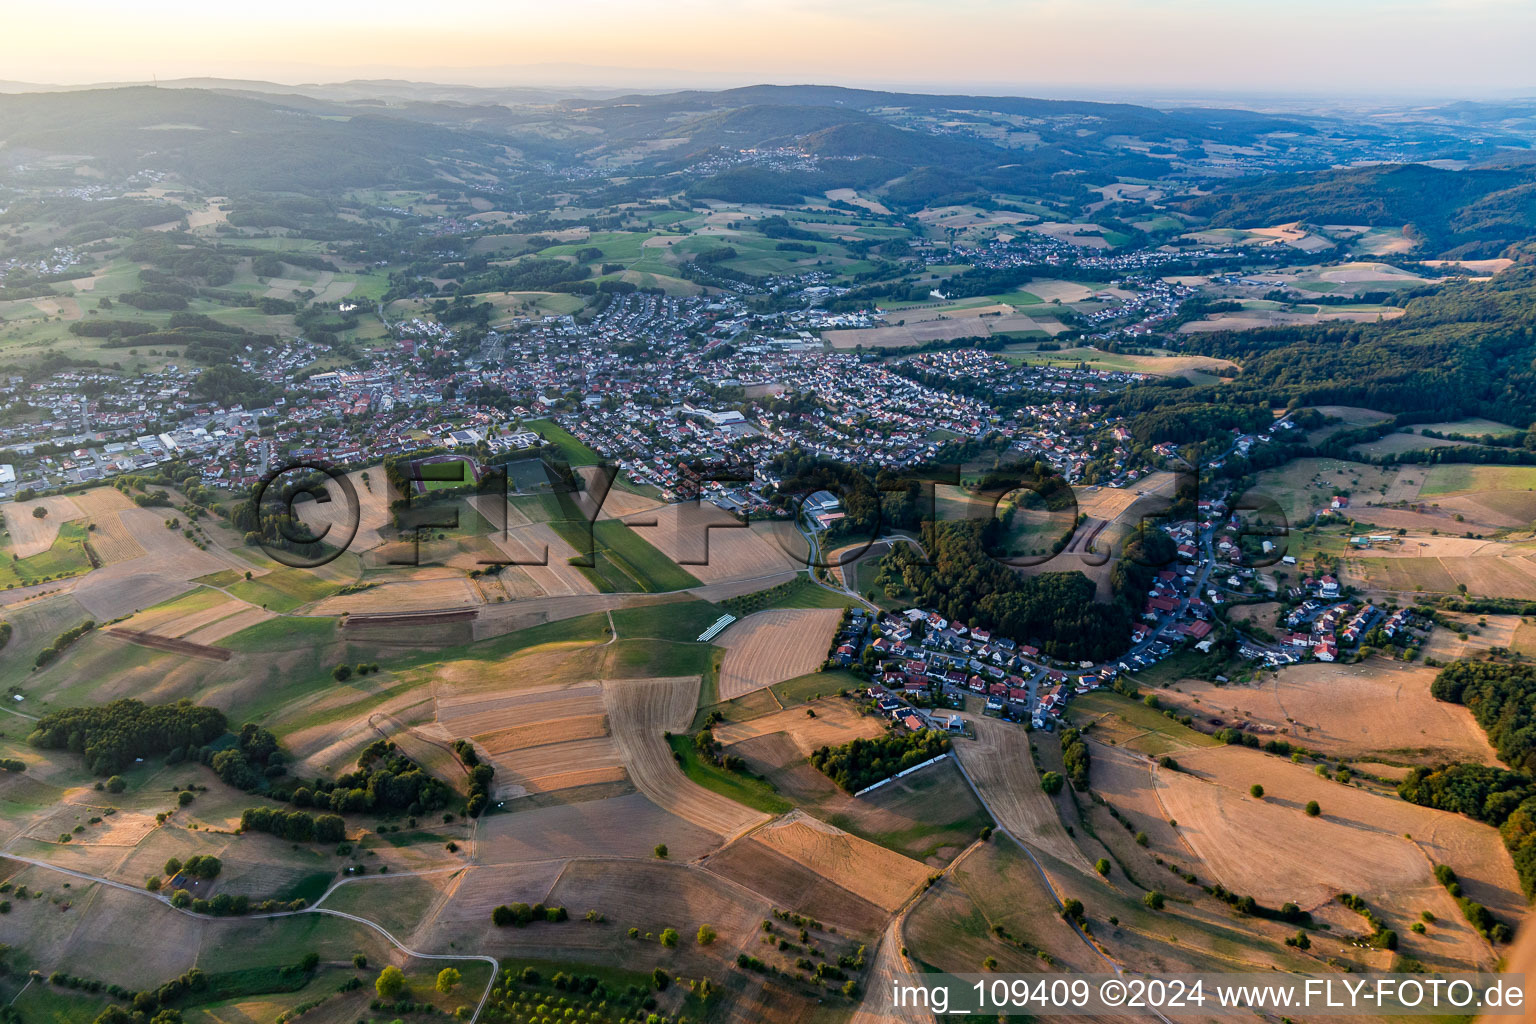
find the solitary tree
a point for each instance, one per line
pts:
(706, 934)
(39, 512)
(1102, 867)
(661, 851)
(1154, 900)
(1256, 791)
(1312, 809)
(669, 937)
(390, 983)
(447, 978)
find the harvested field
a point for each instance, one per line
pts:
(98, 501)
(621, 502)
(112, 541)
(837, 721)
(709, 543)
(883, 877)
(640, 712)
(171, 644)
(540, 740)
(559, 730)
(772, 646)
(998, 762)
(229, 625)
(795, 887)
(623, 826)
(110, 538)
(425, 594)
(1271, 849)
(125, 828)
(107, 595)
(478, 716)
(1375, 708)
(544, 558)
(30, 535)
(552, 766)
(335, 515)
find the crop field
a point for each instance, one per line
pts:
(836, 721)
(1376, 708)
(770, 647)
(998, 762)
(795, 887)
(879, 875)
(709, 544)
(640, 713)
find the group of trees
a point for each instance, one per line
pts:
(111, 736)
(1075, 758)
(294, 826)
(521, 914)
(251, 761)
(1502, 698)
(864, 762)
(480, 776)
(1058, 610)
(62, 642)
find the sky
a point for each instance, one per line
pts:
(1411, 48)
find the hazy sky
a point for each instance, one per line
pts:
(1414, 47)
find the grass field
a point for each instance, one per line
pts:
(66, 557)
(800, 592)
(576, 453)
(1133, 725)
(622, 560)
(670, 620)
(806, 688)
(744, 789)
(1453, 478)
(283, 590)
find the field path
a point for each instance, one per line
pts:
(640, 713)
(315, 909)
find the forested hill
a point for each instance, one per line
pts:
(1457, 214)
(1469, 349)
(230, 142)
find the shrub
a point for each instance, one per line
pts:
(390, 984)
(1313, 810)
